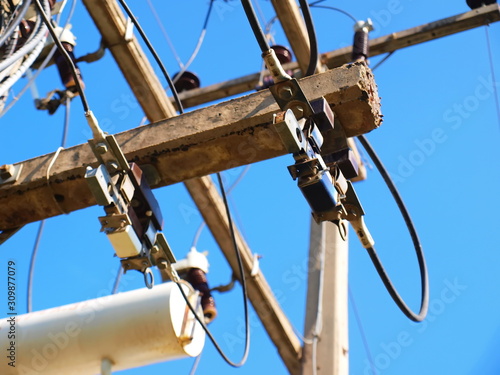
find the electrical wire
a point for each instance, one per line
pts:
(262, 40)
(313, 41)
(144, 37)
(15, 22)
(233, 236)
(243, 287)
(229, 191)
(255, 25)
(424, 279)
(64, 53)
(313, 4)
(386, 57)
(119, 275)
(34, 253)
(195, 364)
(201, 38)
(492, 67)
(37, 37)
(26, 64)
(165, 34)
(31, 273)
(361, 330)
(42, 65)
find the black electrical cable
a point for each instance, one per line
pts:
(255, 25)
(243, 287)
(15, 22)
(424, 278)
(238, 255)
(144, 37)
(313, 41)
(64, 53)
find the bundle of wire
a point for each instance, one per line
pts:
(21, 42)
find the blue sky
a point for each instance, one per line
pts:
(439, 141)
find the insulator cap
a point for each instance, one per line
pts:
(473, 4)
(284, 54)
(187, 81)
(198, 279)
(360, 47)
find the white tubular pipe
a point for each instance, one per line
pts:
(129, 329)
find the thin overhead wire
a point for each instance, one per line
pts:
(198, 44)
(118, 278)
(492, 67)
(31, 273)
(386, 57)
(165, 34)
(357, 317)
(229, 191)
(195, 365)
(314, 5)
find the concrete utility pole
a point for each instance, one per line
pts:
(326, 305)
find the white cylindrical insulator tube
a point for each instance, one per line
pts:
(129, 329)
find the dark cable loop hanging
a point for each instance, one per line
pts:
(424, 278)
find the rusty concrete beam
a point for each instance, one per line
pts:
(195, 144)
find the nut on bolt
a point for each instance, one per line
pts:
(112, 165)
(6, 171)
(286, 92)
(101, 148)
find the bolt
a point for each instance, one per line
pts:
(112, 165)
(286, 93)
(123, 222)
(126, 265)
(145, 264)
(149, 213)
(6, 171)
(298, 111)
(101, 148)
(154, 249)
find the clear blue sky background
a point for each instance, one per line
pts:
(439, 140)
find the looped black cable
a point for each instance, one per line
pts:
(424, 278)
